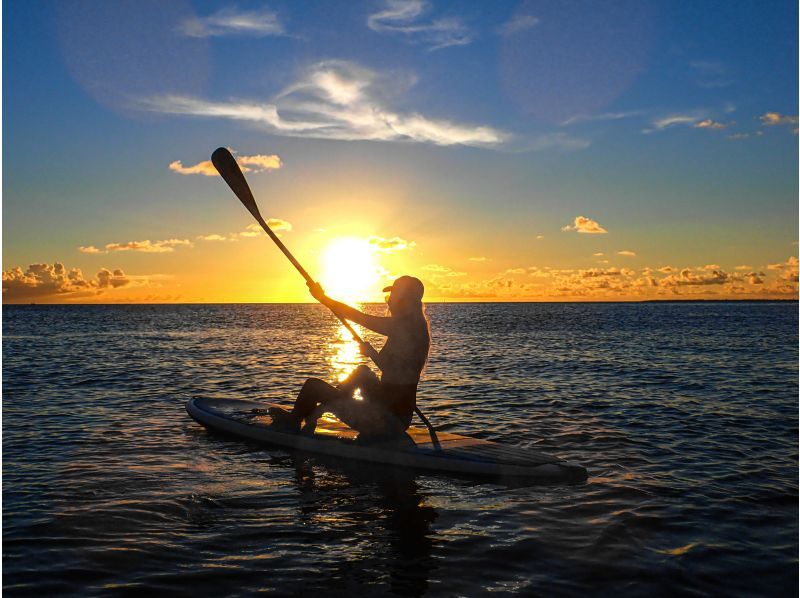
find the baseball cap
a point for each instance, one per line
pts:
(407, 286)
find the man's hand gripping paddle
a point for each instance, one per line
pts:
(229, 170)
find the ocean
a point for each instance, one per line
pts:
(684, 414)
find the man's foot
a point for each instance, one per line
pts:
(284, 421)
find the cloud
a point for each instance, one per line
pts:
(539, 237)
(518, 23)
(205, 168)
(581, 118)
(277, 225)
(146, 246)
(392, 244)
(709, 124)
(257, 163)
(43, 280)
(773, 119)
(582, 224)
(439, 271)
(675, 119)
(402, 17)
(340, 100)
(598, 254)
(89, 249)
(515, 271)
(626, 253)
(687, 278)
(697, 119)
(231, 21)
(477, 259)
(212, 237)
(743, 267)
(115, 279)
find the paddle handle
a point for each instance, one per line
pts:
(285, 250)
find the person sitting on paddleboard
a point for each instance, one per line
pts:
(389, 401)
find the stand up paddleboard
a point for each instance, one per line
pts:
(458, 454)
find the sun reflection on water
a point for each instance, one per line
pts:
(344, 355)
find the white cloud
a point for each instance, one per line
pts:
(231, 21)
(581, 118)
(518, 23)
(337, 100)
(205, 168)
(773, 119)
(626, 253)
(402, 17)
(707, 123)
(147, 246)
(582, 224)
(255, 164)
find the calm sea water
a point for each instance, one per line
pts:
(686, 416)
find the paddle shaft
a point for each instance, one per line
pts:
(230, 171)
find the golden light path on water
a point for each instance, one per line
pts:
(344, 354)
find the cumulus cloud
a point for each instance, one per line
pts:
(391, 244)
(89, 249)
(336, 99)
(626, 253)
(231, 21)
(687, 278)
(256, 163)
(147, 246)
(404, 18)
(743, 267)
(518, 23)
(107, 278)
(45, 280)
(582, 224)
(773, 119)
(212, 237)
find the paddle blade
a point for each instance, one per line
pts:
(229, 170)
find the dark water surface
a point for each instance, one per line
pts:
(686, 416)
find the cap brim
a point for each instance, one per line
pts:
(387, 290)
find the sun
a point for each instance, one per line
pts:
(350, 271)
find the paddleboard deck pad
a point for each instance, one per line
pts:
(458, 455)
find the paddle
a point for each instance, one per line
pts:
(229, 170)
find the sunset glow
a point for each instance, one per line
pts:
(652, 160)
(350, 270)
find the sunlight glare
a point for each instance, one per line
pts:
(350, 272)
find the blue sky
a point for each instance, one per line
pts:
(473, 129)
